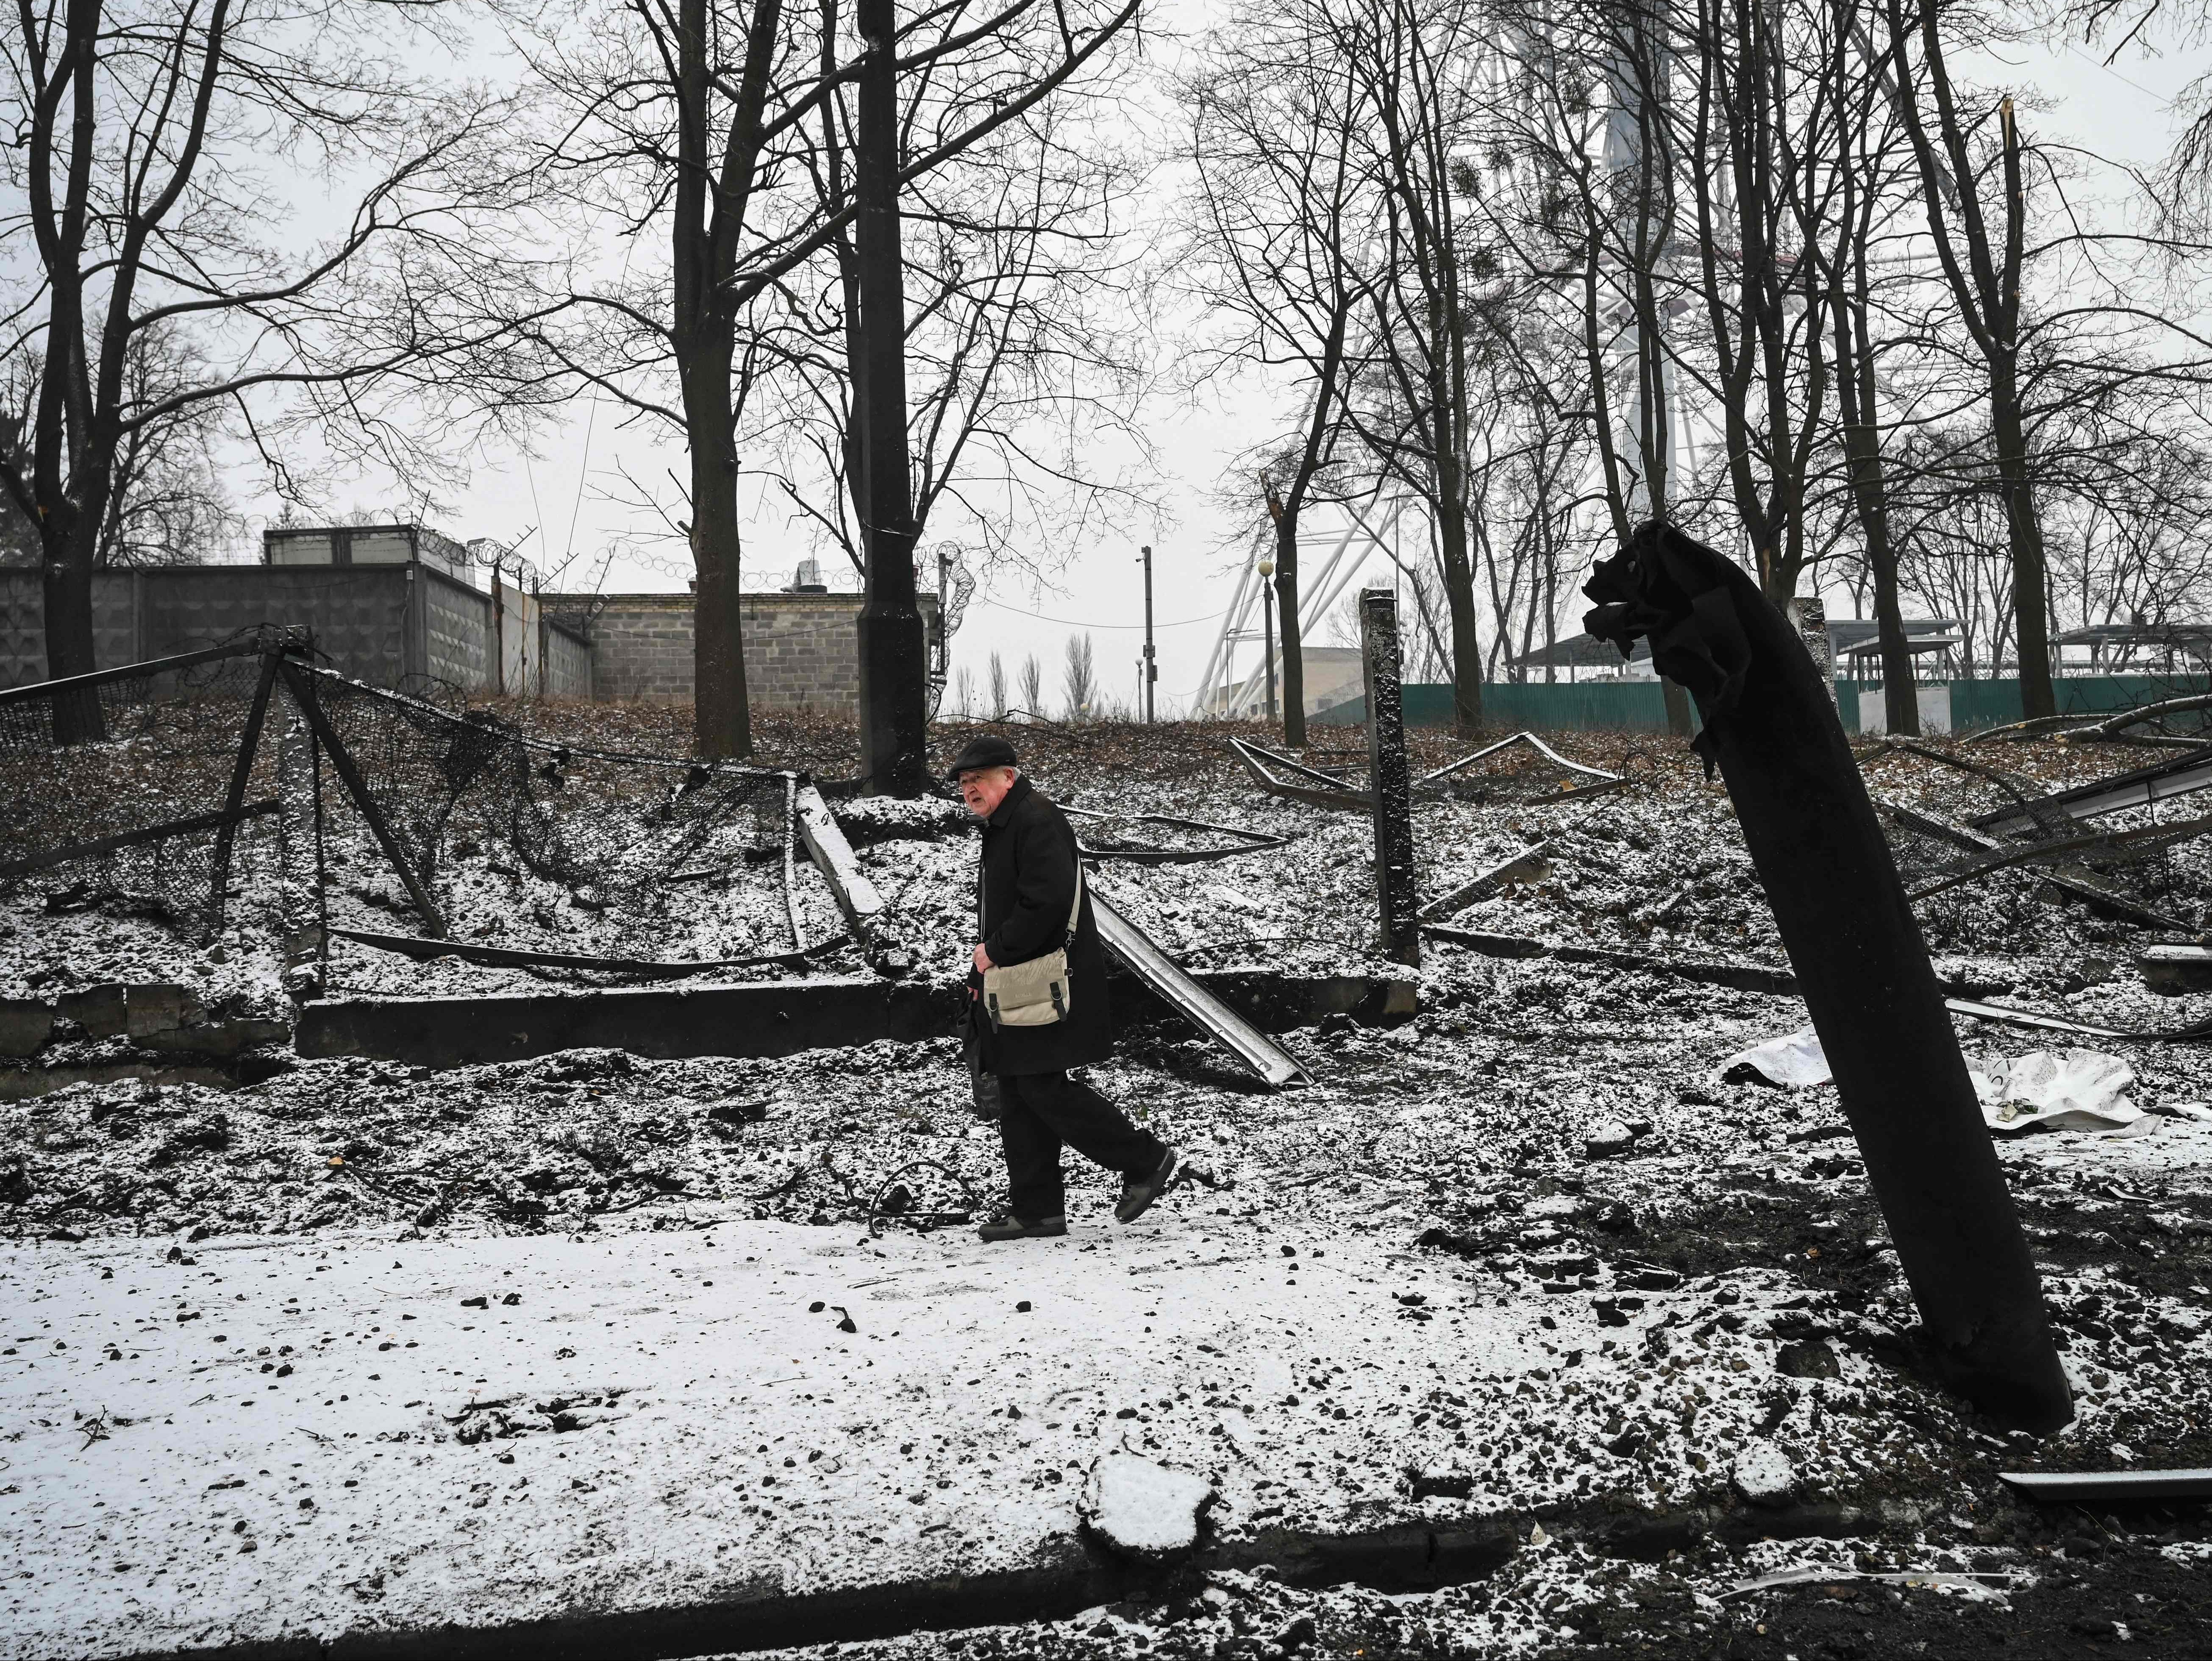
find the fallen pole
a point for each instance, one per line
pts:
(1773, 734)
(833, 856)
(1524, 866)
(2072, 1487)
(1139, 953)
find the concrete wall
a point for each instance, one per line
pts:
(640, 643)
(800, 650)
(565, 658)
(358, 615)
(383, 624)
(456, 629)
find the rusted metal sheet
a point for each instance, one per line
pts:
(1249, 842)
(2184, 775)
(1582, 781)
(1273, 773)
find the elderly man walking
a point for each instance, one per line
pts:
(1034, 1026)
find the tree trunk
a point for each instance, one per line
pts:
(1286, 621)
(1459, 597)
(721, 711)
(2024, 532)
(894, 666)
(1855, 391)
(66, 583)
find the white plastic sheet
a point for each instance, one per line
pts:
(2081, 1090)
(1794, 1060)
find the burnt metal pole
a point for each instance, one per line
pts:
(1389, 780)
(894, 668)
(1772, 730)
(1152, 671)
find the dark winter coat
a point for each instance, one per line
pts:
(1026, 884)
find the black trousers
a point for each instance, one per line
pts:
(1039, 1111)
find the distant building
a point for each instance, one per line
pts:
(367, 544)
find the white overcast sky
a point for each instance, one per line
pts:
(569, 488)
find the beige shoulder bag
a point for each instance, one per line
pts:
(1035, 993)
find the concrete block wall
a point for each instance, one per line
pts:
(801, 650)
(565, 660)
(640, 643)
(359, 615)
(382, 623)
(115, 624)
(456, 629)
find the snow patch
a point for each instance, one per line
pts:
(1144, 1509)
(1763, 1473)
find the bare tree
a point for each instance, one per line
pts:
(1270, 243)
(1032, 687)
(1415, 407)
(140, 163)
(1981, 256)
(1079, 679)
(1023, 358)
(998, 677)
(707, 124)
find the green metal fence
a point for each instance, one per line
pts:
(1638, 706)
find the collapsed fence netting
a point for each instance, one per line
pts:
(125, 791)
(134, 791)
(519, 843)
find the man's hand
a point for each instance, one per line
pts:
(983, 960)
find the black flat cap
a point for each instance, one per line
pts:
(986, 749)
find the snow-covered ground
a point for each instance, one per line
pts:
(1433, 1287)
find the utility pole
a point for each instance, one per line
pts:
(894, 671)
(1150, 666)
(1267, 630)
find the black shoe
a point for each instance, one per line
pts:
(1138, 1193)
(1014, 1228)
